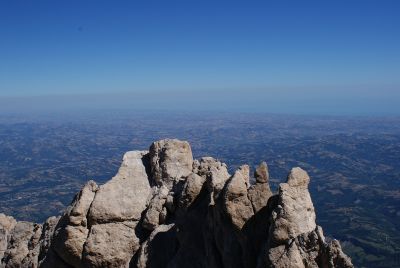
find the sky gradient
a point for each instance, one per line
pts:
(289, 50)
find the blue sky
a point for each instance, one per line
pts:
(345, 49)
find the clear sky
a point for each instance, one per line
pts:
(344, 49)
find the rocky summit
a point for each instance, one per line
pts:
(165, 209)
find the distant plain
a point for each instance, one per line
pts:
(353, 162)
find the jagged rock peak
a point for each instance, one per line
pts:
(261, 173)
(294, 214)
(165, 209)
(298, 177)
(170, 159)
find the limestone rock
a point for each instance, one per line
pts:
(69, 243)
(237, 204)
(158, 249)
(215, 173)
(23, 245)
(286, 256)
(170, 202)
(80, 208)
(111, 245)
(71, 232)
(124, 197)
(261, 174)
(7, 224)
(170, 160)
(193, 185)
(295, 239)
(162, 209)
(298, 177)
(336, 257)
(295, 213)
(309, 250)
(152, 217)
(45, 260)
(259, 194)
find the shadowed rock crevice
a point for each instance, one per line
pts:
(165, 209)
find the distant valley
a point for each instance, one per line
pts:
(353, 162)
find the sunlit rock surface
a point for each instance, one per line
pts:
(164, 209)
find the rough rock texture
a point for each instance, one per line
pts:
(261, 173)
(111, 245)
(72, 229)
(237, 204)
(154, 213)
(47, 257)
(159, 248)
(7, 224)
(23, 245)
(170, 160)
(259, 193)
(295, 213)
(164, 209)
(191, 189)
(216, 174)
(124, 197)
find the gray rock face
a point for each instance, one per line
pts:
(170, 160)
(7, 224)
(124, 197)
(154, 213)
(261, 174)
(298, 177)
(47, 256)
(295, 213)
(215, 173)
(111, 245)
(295, 240)
(259, 193)
(192, 188)
(237, 204)
(164, 209)
(72, 230)
(158, 249)
(23, 245)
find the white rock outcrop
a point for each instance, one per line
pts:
(164, 209)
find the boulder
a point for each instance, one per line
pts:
(170, 159)
(125, 196)
(298, 177)
(111, 245)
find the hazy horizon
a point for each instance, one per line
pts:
(303, 101)
(311, 57)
